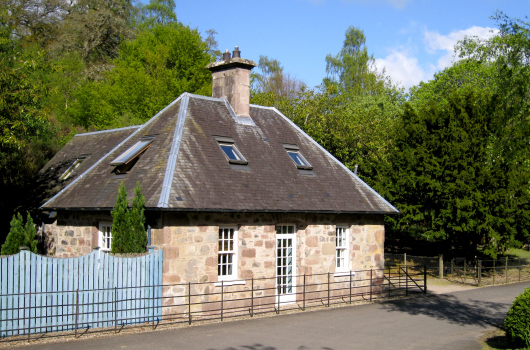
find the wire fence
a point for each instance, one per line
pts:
(478, 272)
(195, 302)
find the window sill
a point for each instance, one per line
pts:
(229, 283)
(344, 273)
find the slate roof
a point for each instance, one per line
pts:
(185, 169)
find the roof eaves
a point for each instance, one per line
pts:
(163, 202)
(330, 155)
(114, 149)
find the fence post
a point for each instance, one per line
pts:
(441, 266)
(405, 259)
(494, 268)
(189, 302)
(452, 266)
(519, 268)
(153, 297)
(115, 310)
(389, 284)
(303, 295)
(371, 284)
(76, 310)
(506, 270)
(465, 270)
(406, 281)
(425, 279)
(252, 298)
(350, 283)
(29, 315)
(479, 272)
(328, 287)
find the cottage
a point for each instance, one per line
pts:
(233, 191)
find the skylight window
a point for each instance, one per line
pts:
(230, 150)
(294, 152)
(127, 159)
(72, 168)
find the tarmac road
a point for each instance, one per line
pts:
(447, 321)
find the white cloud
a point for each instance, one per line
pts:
(436, 42)
(405, 68)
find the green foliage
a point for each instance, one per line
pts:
(20, 235)
(451, 181)
(152, 70)
(517, 322)
(157, 12)
(273, 79)
(128, 225)
(353, 68)
(121, 237)
(137, 221)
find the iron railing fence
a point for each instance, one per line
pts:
(201, 301)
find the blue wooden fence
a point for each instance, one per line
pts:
(40, 294)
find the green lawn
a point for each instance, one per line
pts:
(519, 253)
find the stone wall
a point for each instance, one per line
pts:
(73, 233)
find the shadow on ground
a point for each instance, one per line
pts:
(449, 308)
(264, 347)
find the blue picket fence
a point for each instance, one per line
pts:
(39, 294)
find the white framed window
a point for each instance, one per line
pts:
(342, 261)
(227, 255)
(230, 151)
(294, 152)
(105, 236)
(286, 263)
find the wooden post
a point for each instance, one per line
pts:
(506, 270)
(441, 266)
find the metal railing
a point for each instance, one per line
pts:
(201, 301)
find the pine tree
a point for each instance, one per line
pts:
(20, 235)
(137, 222)
(120, 223)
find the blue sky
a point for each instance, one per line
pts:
(412, 39)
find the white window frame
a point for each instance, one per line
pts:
(228, 252)
(103, 247)
(342, 250)
(281, 233)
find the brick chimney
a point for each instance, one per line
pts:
(231, 79)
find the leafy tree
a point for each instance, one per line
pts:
(121, 237)
(157, 12)
(450, 181)
(20, 235)
(151, 71)
(273, 79)
(128, 225)
(353, 69)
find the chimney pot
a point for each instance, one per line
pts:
(226, 55)
(236, 52)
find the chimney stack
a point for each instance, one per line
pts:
(231, 79)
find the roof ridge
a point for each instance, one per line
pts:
(141, 127)
(332, 157)
(163, 202)
(108, 130)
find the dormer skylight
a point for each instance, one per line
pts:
(127, 159)
(294, 152)
(230, 150)
(73, 167)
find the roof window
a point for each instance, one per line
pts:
(230, 150)
(294, 152)
(72, 167)
(127, 159)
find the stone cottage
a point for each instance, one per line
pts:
(233, 191)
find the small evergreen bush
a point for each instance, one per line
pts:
(128, 225)
(20, 235)
(517, 322)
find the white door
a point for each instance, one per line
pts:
(286, 263)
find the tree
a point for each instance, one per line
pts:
(151, 71)
(121, 237)
(353, 69)
(157, 12)
(137, 221)
(128, 225)
(274, 80)
(20, 235)
(450, 181)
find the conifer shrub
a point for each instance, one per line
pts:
(517, 322)
(20, 235)
(128, 225)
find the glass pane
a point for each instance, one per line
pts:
(290, 229)
(297, 159)
(230, 152)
